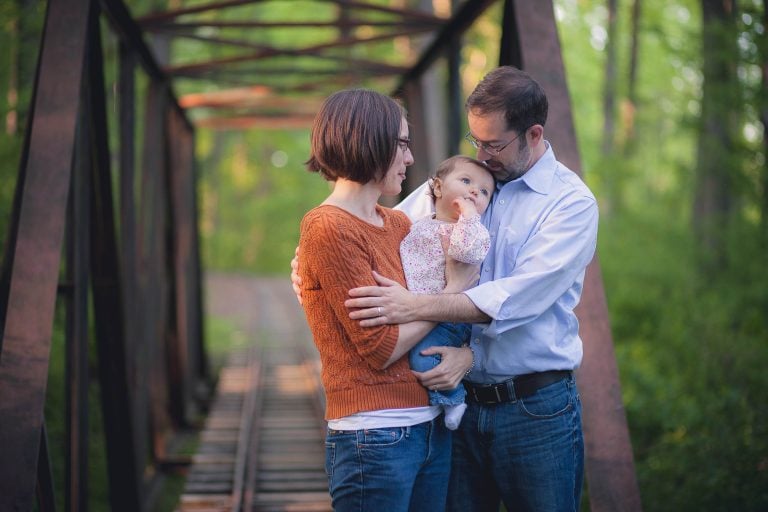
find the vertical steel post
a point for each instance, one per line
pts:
(35, 251)
(126, 97)
(453, 93)
(187, 345)
(46, 499)
(417, 118)
(155, 286)
(198, 312)
(125, 464)
(76, 288)
(179, 378)
(530, 41)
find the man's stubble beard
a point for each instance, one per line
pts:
(512, 171)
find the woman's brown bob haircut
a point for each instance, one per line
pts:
(354, 136)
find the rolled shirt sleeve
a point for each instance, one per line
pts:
(546, 266)
(543, 229)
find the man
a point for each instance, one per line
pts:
(520, 441)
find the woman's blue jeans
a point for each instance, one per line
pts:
(528, 453)
(397, 469)
(442, 335)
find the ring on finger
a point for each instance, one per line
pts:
(379, 310)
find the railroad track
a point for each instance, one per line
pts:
(287, 467)
(216, 478)
(262, 448)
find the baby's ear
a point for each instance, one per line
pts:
(437, 186)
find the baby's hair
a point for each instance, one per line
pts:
(448, 165)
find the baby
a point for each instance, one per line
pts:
(461, 189)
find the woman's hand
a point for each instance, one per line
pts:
(295, 279)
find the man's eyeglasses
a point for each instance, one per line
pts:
(404, 143)
(489, 148)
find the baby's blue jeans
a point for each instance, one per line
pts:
(443, 335)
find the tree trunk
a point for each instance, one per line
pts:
(630, 106)
(609, 90)
(717, 166)
(12, 97)
(613, 181)
(764, 120)
(29, 27)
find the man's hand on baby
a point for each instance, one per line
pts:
(454, 363)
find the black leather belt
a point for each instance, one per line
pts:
(513, 389)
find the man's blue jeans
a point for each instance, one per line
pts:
(395, 469)
(442, 335)
(528, 453)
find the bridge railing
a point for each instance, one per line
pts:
(104, 227)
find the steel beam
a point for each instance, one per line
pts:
(187, 288)
(130, 35)
(77, 301)
(455, 112)
(267, 52)
(413, 95)
(459, 23)
(166, 16)
(35, 250)
(530, 41)
(338, 24)
(126, 466)
(46, 498)
(153, 278)
(180, 378)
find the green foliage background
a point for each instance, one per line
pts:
(691, 345)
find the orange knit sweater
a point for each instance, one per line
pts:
(338, 252)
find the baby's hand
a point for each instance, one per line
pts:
(465, 206)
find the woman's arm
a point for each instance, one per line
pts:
(333, 259)
(409, 335)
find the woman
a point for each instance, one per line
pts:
(385, 448)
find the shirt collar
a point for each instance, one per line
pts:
(539, 176)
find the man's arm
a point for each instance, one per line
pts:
(418, 204)
(549, 264)
(399, 306)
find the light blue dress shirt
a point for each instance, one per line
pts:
(543, 229)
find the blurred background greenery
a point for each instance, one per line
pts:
(669, 101)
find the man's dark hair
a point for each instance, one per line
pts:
(512, 91)
(354, 136)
